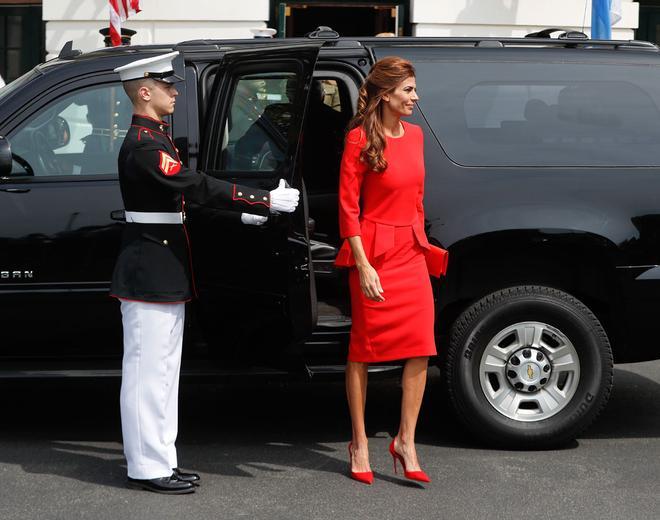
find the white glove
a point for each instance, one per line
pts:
(284, 199)
(253, 220)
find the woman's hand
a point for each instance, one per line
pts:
(369, 280)
(370, 283)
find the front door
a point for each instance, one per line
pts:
(256, 283)
(58, 240)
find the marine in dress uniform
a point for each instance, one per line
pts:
(153, 277)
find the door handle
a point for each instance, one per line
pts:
(15, 190)
(118, 214)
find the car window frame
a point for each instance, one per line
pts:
(224, 107)
(440, 53)
(46, 97)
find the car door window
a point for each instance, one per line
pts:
(77, 134)
(536, 112)
(256, 134)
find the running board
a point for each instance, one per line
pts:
(60, 374)
(323, 370)
(195, 374)
(110, 373)
(333, 321)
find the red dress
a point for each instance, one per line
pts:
(386, 210)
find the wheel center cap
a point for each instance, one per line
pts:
(528, 369)
(531, 372)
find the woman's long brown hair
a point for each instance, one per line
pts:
(383, 78)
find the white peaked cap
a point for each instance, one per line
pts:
(156, 67)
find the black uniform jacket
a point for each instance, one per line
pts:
(154, 259)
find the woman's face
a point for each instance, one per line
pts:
(402, 99)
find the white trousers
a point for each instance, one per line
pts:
(153, 337)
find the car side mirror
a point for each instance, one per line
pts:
(58, 132)
(5, 157)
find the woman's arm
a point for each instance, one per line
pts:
(350, 183)
(369, 280)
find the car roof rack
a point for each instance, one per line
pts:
(323, 32)
(510, 42)
(566, 34)
(192, 46)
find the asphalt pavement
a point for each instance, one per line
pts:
(274, 451)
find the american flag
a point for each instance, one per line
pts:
(120, 10)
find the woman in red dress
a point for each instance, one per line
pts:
(381, 218)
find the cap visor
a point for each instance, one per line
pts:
(174, 78)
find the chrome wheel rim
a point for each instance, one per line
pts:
(529, 371)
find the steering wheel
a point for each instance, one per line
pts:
(26, 165)
(46, 158)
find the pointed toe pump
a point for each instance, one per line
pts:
(419, 476)
(366, 477)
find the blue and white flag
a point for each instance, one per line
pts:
(604, 14)
(615, 11)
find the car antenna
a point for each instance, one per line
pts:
(68, 51)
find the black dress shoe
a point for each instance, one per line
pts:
(166, 485)
(193, 478)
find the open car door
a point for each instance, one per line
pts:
(256, 285)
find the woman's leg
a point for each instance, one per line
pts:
(356, 392)
(413, 383)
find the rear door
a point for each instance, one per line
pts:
(256, 284)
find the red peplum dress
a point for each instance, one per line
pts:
(386, 210)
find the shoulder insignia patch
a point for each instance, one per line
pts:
(168, 165)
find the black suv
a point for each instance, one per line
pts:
(543, 182)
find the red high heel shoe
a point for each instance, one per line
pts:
(419, 476)
(366, 477)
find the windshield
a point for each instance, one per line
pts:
(18, 83)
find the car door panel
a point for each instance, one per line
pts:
(255, 283)
(58, 231)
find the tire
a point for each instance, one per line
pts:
(528, 367)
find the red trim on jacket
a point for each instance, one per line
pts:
(176, 150)
(149, 130)
(146, 131)
(190, 260)
(251, 202)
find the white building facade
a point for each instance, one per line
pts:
(170, 21)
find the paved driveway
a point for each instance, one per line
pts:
(270, 451)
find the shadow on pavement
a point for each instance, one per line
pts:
(633, 410)
(72, 428)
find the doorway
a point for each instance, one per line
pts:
(21, 39)
(296, 18)
(649, 21)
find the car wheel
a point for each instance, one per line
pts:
(528, 367)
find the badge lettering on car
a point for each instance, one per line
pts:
(16, 275)
(168, 165)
